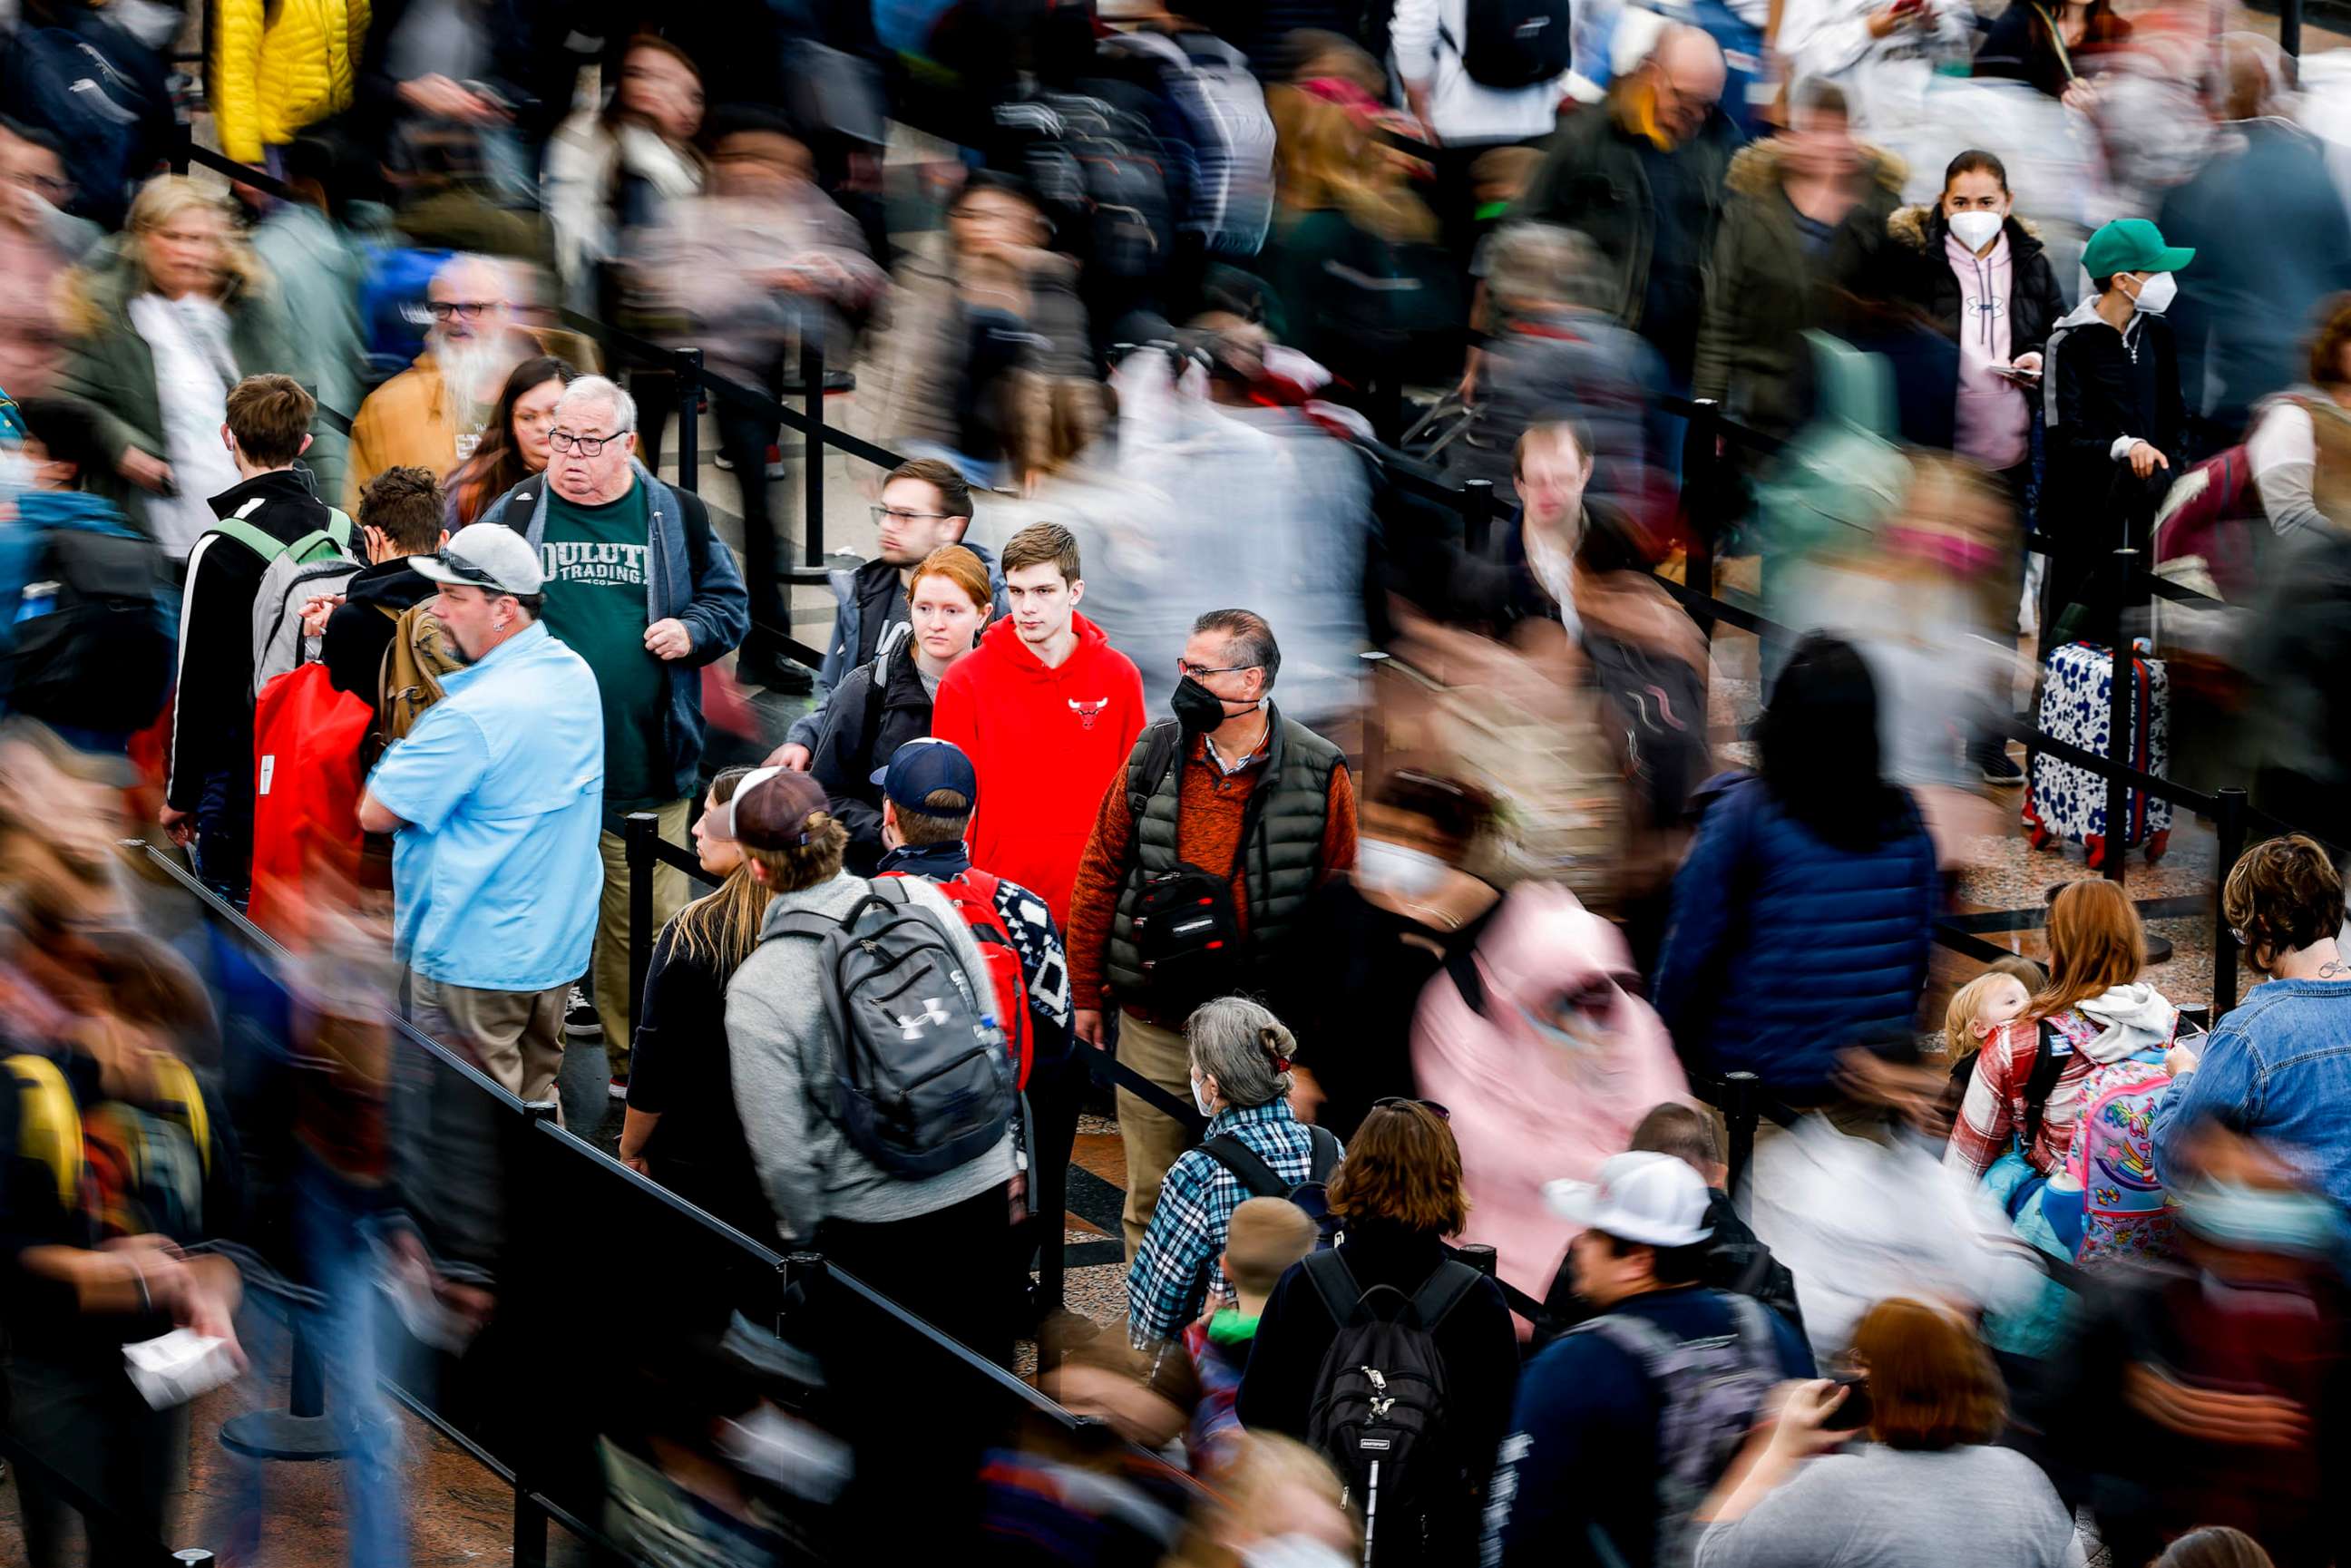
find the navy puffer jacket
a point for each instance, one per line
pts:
(1784, 950)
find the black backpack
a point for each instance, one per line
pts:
(1513, 43)
(92, 643)
(1261, 1181)
(1105, 175)
(1379, 1411)
(920, 1081)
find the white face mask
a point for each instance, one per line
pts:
(1396, 870)
(1200, 1097)
(1292, 1552)
(1976, 229)
(2156, 295)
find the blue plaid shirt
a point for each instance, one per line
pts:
(1187, 1230)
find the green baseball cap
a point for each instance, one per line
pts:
(2132, 244)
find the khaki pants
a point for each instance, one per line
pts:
(610, 975)
(515, 1037)
(1153, 1139)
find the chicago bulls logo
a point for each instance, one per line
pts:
(1086, 711)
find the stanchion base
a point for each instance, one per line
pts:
(2158, 948)
(281, 1435)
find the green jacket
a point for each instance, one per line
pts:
(111, 369)
(1592, 180)
(1764, 292)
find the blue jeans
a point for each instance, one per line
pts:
(224, 848)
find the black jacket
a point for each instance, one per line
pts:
(1476, 1341)
(1923, 276)
(861, 734)
(211, 713)
(360, 628)
(679, 1071)
(2099, 384)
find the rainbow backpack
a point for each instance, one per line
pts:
(2126, 1212)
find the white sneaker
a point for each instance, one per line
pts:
(579, 1020)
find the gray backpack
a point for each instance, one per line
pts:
(1711, 1392)
(318, 563)
(920, 1081)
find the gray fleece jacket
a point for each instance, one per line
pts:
(783, 1051)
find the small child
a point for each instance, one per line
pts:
(1266, 1236)
(1980, 1007)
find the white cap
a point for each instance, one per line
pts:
(1654, 1200)
(485, 555)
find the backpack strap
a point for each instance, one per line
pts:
(1143, 780)
(1444, 1288)
(1335, 1283)
(1244, 1163)
(1326, 1155)
(260, 541)
(301, 548)
(1748, 1316)
(339, 528)
(2040, 1079)
(175, 1086)
(49, 1123)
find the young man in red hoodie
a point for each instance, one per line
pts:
(1048, 711)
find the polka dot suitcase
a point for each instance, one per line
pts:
(2062, 802)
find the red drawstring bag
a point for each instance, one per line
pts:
(306, 781)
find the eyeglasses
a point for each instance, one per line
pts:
(1431, 1106)
(470, 309)
(1196, 671)
(2238, 938)
(900, 514)
(587, 445)
(470, 572)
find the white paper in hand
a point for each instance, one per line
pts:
(176, 1367)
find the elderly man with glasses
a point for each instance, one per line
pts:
(642, 590)
(432, 415)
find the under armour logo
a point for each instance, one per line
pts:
(1986, 304)
(1086, 711)
(910, 1028)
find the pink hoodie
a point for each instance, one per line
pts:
(1526, 1108)
(1993, 422)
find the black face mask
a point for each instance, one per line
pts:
(1197, 709)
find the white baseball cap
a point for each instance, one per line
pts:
(485, 555)
(1652, 1199)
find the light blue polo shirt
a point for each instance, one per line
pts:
(496, 878)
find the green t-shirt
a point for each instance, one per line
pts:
(596, 558)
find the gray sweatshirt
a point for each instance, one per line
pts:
(1876, 1507)
(781, 1045)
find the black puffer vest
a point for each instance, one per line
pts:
(1281, 838)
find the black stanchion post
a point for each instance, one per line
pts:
(2119, 715)
(1477, 514)
(1702, 492)
(812, 451)
(1739, 1112)
(529, 1529)
(182, 137)
(644, 830)
(689, 423)
(2290, 27)
(2230, 828)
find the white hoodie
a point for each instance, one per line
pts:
(2137, 1018)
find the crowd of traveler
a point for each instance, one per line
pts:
(1395, 882)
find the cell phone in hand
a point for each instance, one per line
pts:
(2022, 378)
(1853, 1413)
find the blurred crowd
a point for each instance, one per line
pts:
(1286, 710)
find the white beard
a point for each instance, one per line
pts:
(473, 372)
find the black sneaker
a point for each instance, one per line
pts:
(1996, 768)
(579, 1020)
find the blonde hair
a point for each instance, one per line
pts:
(1266, 1237)
(1967, 1004)
(720, 928)
(1324, 158)
(165, 197)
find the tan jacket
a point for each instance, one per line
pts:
(402, 424)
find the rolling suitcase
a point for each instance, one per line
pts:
(2064, 801)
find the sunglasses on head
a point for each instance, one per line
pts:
(1431, 1106)
(467, 570)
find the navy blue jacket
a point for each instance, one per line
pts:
(1784, 950)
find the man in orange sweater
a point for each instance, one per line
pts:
(1229, 808)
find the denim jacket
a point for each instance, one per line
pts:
(691, 577)
(2278, 1068)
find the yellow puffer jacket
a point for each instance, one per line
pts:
(272, 67)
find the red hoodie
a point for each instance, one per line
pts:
(1046, 743)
